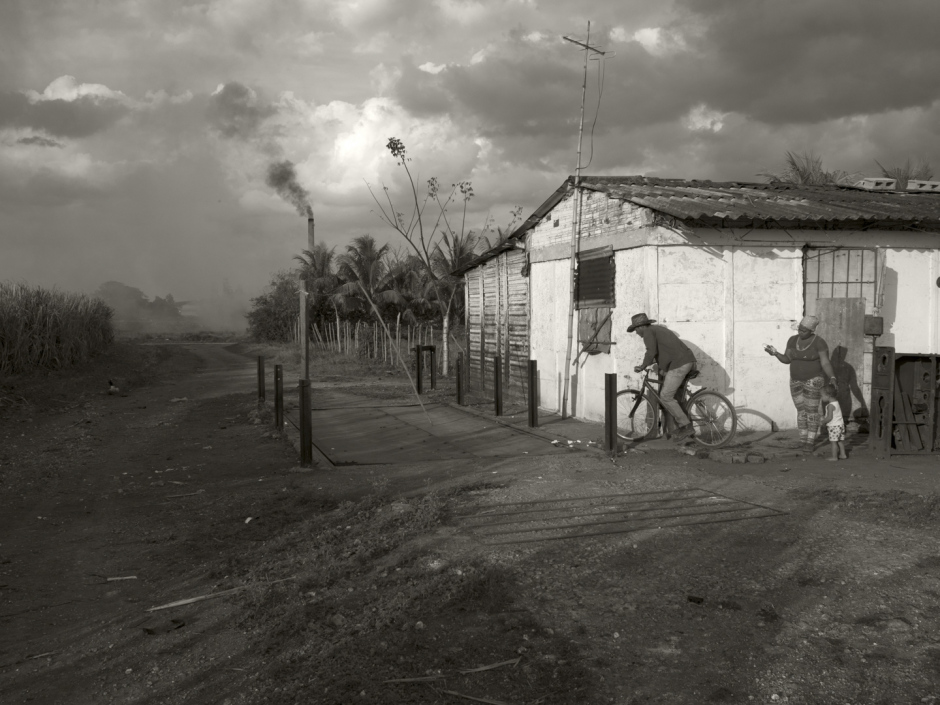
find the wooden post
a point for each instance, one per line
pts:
(279, 397)
(261, 379)
(497, 387)
(460, 382)
(431, 349)
(533, 395)
(304, 335)
(610, 413)
(418, 369)
(306, 435)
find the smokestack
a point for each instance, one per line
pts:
(310, 234)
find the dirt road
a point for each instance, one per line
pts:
(112, 505)
(119, 505)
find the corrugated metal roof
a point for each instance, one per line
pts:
(735, 204)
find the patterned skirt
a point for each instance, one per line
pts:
(806, 394)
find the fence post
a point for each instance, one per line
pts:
(418, 361)
(304, 334)
(260, 379)
(460, 390)
(306, 439)
(279, 397)
(497, 386)
(533, 393)
(610, 413)
(433, 350)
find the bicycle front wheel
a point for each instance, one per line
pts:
(643, 423)
(713, 418)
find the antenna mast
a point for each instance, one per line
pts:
(576, 220)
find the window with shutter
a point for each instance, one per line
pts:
(595, 278)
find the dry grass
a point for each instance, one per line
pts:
(42, 329)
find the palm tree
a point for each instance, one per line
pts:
(921, 170)
(488, 242)
(806, 169)
(408, 280)
(318, 274)
(364, 270)
(452, 251)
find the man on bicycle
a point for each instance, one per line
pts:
(675, 362)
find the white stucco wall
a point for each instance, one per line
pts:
(910, 311)
(726, 292)
(548, 327)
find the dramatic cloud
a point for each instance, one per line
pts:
(138, 135)
(39, 141)
(235, 111)
(79, 116)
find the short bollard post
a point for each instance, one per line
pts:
(460, 389)
(533, 393)
(610, 413)
(497, 386)
(433, 350)
(306, 438)
(418, 361)
(260, 379)
(279, 397)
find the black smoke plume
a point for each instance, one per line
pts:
(283, 179)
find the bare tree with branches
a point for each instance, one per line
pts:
(440, 247)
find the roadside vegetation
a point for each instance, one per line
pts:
(43, 329)
(374, 301)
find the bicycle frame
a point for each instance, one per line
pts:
(647, 386)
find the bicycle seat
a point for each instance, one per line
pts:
(693, 374)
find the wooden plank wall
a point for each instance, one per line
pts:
(474, 293)
(498, 323)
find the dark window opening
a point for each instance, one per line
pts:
(595, 278)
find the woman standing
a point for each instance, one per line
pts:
(808, 357)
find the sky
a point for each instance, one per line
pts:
(136, 136)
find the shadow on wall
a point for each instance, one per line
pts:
(847, 377)
(712, 374)
(889, 309)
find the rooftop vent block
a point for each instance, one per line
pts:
(925, 186)
(877, 184)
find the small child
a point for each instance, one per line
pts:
(832, 417)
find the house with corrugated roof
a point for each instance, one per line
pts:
(730, 267)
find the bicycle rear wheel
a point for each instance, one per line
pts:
(713, 418)
(644, 423)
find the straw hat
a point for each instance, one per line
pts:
(638, 320)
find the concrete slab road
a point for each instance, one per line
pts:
(390, 434)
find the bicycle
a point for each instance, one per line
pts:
(713, 417)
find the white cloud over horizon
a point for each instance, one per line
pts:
(135, 138)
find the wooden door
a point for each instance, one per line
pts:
(842, 326)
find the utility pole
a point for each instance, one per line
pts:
(576, 220)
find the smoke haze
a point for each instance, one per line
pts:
(283, 179)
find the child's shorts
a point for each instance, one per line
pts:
(837, 433)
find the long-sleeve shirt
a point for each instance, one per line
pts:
(664, 346)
